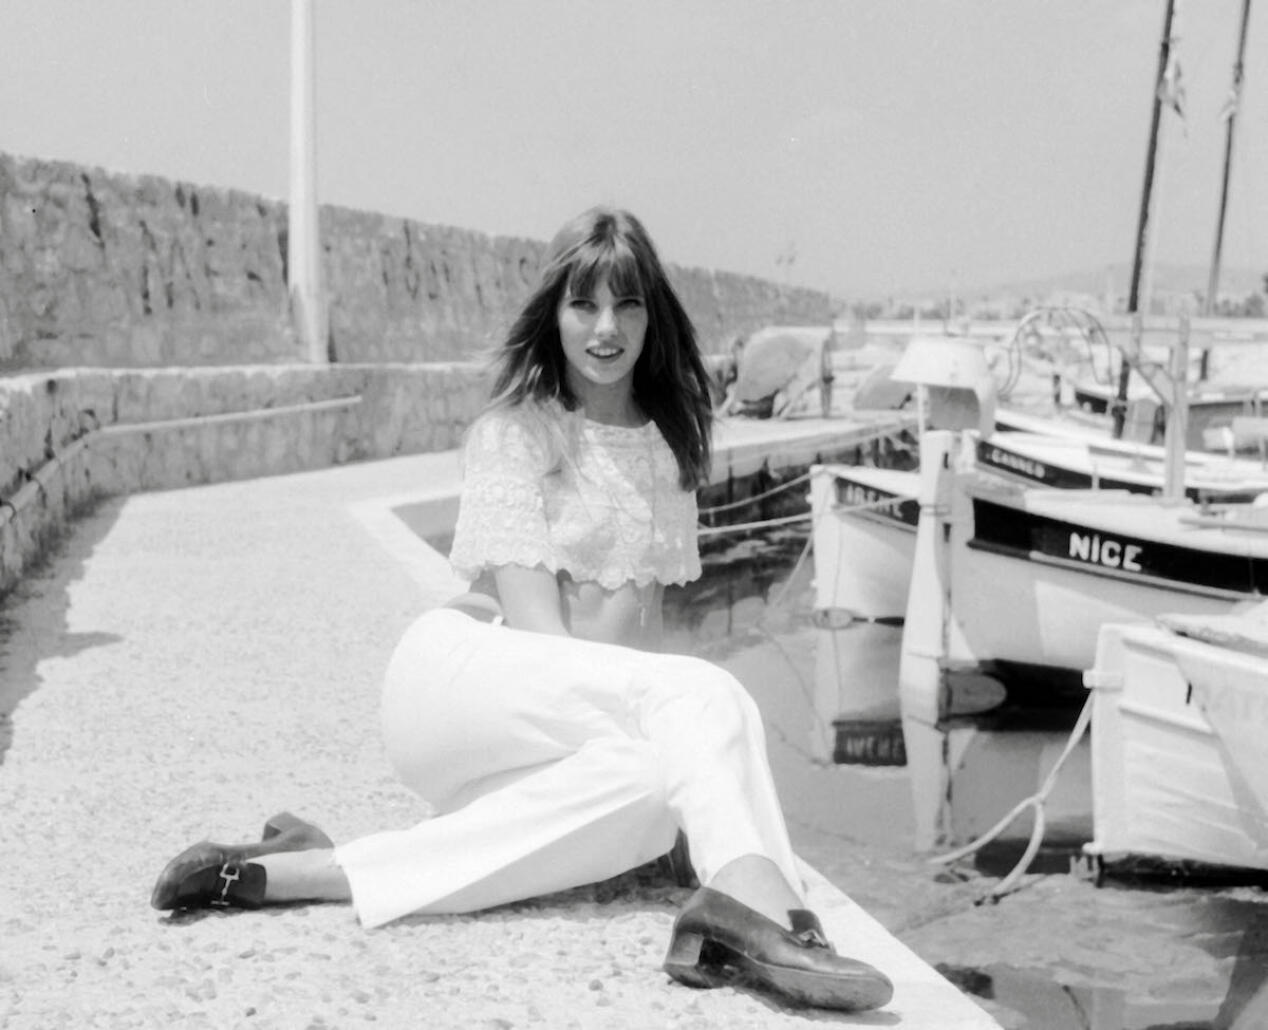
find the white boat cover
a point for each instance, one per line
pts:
(1244, 629)
(1230, 684)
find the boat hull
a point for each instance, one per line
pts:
(1070, 463)
(1170, 780)
(1036, 574)
(864, 538)
(863, 553)
(1015, 581)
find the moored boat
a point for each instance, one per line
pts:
(1072, 462)
(1017, 580)
(864, 537)
(1179, 720)
(1057, 378)
(860, 543)
(865, 518)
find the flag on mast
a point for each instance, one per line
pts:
(1171, 88)
(1233, 101)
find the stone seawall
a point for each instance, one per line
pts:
(71, 437)
(126, 271)
(145, 339)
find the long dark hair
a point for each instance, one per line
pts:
(670, 383)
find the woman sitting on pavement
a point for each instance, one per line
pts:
(556, 746)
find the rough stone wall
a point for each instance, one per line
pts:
(99, 269)
(403, 291)
(110, 270)
(69, 437)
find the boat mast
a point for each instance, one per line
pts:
(1142, 224)
(1230, 116)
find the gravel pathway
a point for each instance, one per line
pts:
(190, 662)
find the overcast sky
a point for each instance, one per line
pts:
(892, 145)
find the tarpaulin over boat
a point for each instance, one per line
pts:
(1231, 689)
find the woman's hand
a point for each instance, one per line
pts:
(530, 599)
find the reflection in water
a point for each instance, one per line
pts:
(1246, 1006)
(1051, 1005)
(968, 775)
(856, 690)
(831, 690)
(828, 694)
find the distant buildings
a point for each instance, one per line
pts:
(1170, 293)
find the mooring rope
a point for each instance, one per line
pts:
(885, 433)
(744, 527)
(784, 520)
(1035, 801)
(757, 497)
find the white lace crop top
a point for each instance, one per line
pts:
(600, 503)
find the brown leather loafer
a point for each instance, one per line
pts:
(717, 940)
(286, 832)
(222, 875)
(210, 875)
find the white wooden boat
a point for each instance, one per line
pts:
(1057, 368)
(865, 518)
(1017, 580)
(1081, 461)
(1211, 408)
(1179, 724)
(863, 545)
(864, 537)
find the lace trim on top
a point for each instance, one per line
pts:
(601, 504)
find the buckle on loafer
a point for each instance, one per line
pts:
(807, 930)
(813, 938)
(230, 874)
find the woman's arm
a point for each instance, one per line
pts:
(530, 599)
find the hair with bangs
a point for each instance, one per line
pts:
(670, 383)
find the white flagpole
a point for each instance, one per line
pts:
(303, 252)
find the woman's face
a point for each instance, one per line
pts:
(602, 337)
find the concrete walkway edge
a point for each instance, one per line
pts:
(194, 660)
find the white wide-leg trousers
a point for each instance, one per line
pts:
(553, 762)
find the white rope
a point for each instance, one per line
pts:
(744, 527)
(741, 527)
(1035, 801)
(757, 497)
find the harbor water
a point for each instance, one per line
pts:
(872, 797)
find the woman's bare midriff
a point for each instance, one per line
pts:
(629, 615)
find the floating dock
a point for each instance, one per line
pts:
(743, 447)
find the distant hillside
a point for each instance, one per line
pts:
(1166, 279)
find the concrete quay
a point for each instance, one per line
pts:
(189, 662)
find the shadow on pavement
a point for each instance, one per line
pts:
(33, 624)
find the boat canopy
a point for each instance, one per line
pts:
(954, 382)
